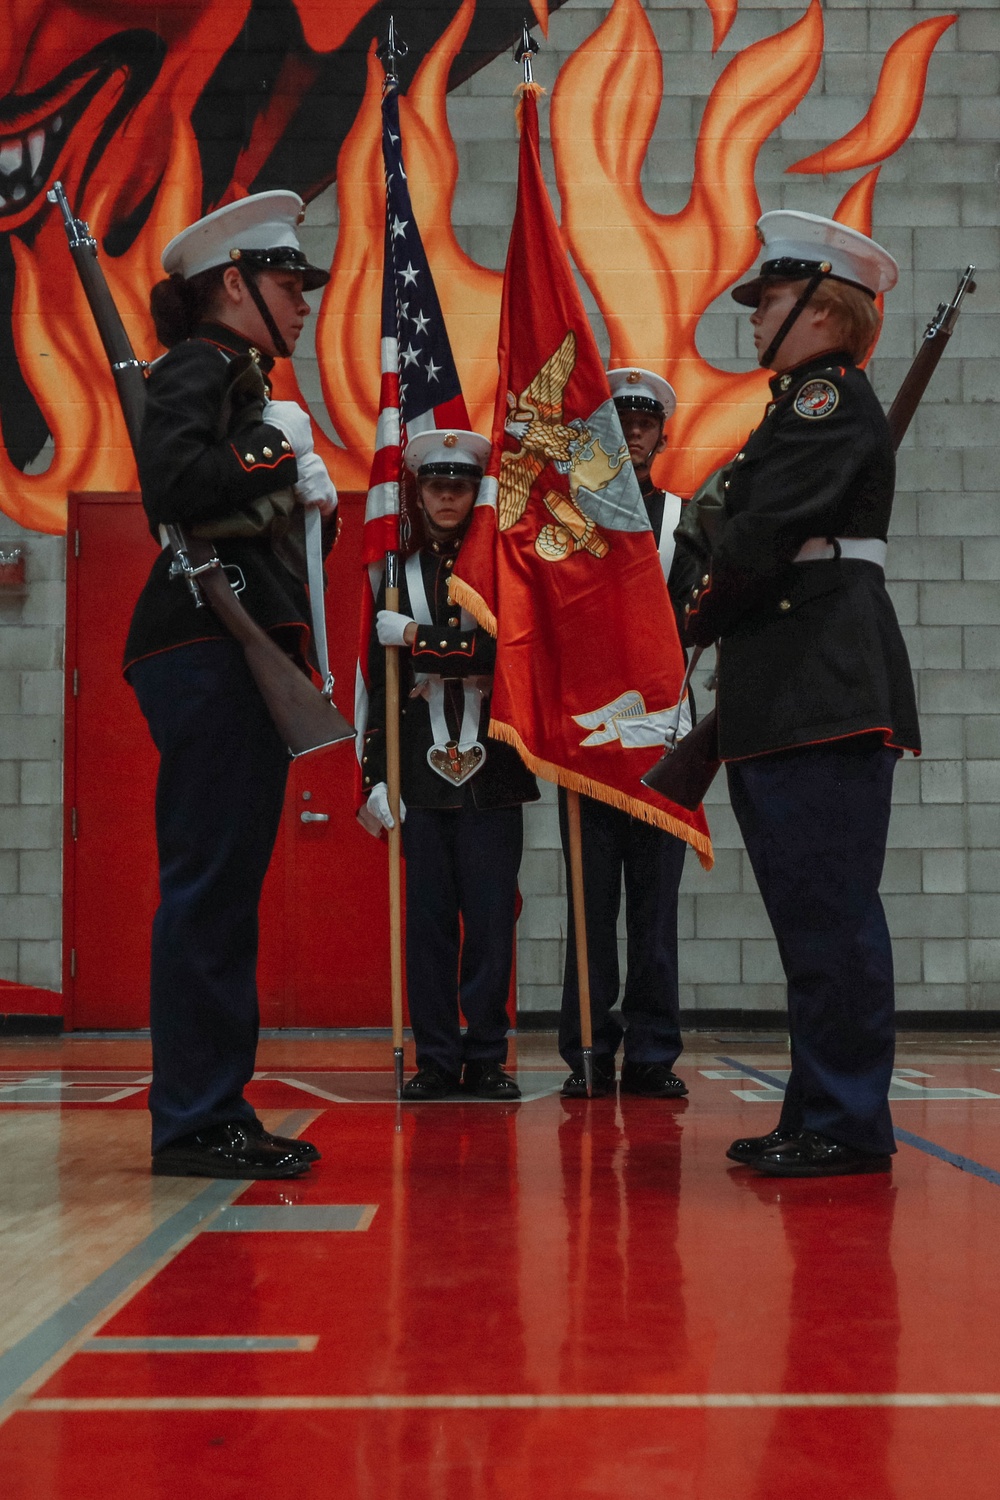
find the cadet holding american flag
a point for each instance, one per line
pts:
(459, 806)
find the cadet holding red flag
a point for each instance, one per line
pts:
(560, 560)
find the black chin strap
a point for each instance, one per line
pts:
(779, 337)
(257, 297)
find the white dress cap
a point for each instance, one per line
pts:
(450, 453)
(796, 245)
(263, 224)
(643, 391)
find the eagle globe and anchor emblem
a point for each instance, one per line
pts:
(591, 453)
(603, 492)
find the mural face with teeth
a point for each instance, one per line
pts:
(150, 116)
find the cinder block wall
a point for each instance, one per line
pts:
(937, 206)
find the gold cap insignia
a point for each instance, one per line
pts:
(633, 377)
(451, 441)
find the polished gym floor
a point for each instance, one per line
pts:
(469, 1301)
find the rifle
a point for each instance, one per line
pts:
(936, 335)
(688, 767)
(305, 719)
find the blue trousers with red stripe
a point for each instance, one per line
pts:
(815, 823)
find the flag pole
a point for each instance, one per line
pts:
(387, 53)
(580, 933)
(395, 852)
(525, 50)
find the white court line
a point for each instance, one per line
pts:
(712, 1400)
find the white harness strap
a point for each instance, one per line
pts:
(317, 605)
(430, 685)
(671, 517)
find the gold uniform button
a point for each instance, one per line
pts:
(286, 447)
(784, 604)
(785, 382)
(267, 453)
(740, 457)
(725, 484)
(448, 562)
(687, 609)
(694, 595)
(443, 645)
(453, 620)
(770, 407)
(249, 458)
(705, 579)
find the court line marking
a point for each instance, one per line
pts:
(34, 1358)
(202, 1343)
(919, 1142)
(698, 1401)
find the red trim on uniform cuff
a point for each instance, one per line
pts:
(259, 463)
(832, 739)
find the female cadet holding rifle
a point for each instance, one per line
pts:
(219, 458)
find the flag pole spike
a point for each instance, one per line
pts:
(525, 50)
(390, 49)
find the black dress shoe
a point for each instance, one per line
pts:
(233, 1149)
(304, 1150)
(430, 1082)
(652, 1081)
(809, 1154)
(488, 1080)
(749, 1147)
(575, 1086)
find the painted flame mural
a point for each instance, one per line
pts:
(153, 115)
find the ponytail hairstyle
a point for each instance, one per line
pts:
(178, 305)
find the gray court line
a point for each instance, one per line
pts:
(201, 1343)
(23, 1360)
(693, 1401)
(918, 1142)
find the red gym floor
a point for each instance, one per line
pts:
(467, 1300)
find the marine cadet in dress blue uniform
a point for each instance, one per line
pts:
(213, 449)
(815, 694)
(614, 845)
(462, 795)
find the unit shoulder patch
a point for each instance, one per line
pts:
(817, 398)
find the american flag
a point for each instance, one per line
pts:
(420, 388)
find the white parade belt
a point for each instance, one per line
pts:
(453, 760)
(856, 548)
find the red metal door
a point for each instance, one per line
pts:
(324, 921)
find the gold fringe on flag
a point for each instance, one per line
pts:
(602, 793)
(466, 598)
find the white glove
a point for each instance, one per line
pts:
(289, 418)
(390, 627)
(378, 806)
(314, 486)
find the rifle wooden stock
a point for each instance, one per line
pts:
(305, 719)
(686, 770)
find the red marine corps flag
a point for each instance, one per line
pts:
(560, 562)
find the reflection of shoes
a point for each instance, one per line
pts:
(749, 1147)
(808, 1154)
(430, 1082)
(233, 1149)
(575, 1086)
(652, 1080)
(304, 1150)
(488, 1080)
